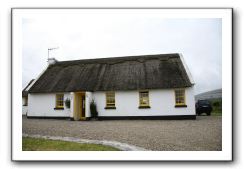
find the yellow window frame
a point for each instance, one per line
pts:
(180, 97)
(59, 100)
(110, 99)
(144, 98)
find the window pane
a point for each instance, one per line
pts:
(110, 99)
(144, 98)
(180, 96)
(59, 100)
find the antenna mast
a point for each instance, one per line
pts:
(49, 49)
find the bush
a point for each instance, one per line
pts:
(217, 107)
(217, 104)
(67, 103)
(93, 109)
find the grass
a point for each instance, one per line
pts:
(38, 144)
(216, 113)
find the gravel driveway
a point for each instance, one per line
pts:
(203, 134)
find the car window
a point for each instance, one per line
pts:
(203, 102)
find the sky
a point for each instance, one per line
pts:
(99, 35)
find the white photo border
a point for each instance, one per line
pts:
(16, 51)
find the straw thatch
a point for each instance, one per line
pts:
(110, 74)
(24, 91)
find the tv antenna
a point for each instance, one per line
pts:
(50, 49)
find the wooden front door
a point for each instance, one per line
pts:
(79, 106)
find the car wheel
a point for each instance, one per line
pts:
(208, 113)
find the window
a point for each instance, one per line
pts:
(180, 98)
(59, 100)
(144, 99)
(110, 100)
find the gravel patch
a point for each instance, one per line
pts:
(202, 134)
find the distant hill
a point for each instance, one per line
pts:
(210, 95)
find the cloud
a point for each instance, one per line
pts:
(80, 36)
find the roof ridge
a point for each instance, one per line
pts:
(139, 58)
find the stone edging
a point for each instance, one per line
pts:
(118, 145)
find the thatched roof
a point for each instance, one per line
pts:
(24, 91)
(110, 74)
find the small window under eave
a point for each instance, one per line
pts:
(144, 99)
(180, 98)
(59, 101)
(110, 100)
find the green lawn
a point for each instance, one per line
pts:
(34, 144)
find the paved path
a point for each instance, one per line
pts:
(203, 134)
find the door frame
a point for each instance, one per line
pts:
(78, 106)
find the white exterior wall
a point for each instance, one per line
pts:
(162, 103)
(89, 97)
(43, 105)
(72, 105)
(24, 108)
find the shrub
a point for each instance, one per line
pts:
(216, 103)
(93, 109)
(67, 103)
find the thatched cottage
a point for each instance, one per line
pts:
(132, 87)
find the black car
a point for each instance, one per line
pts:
(203, 106)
